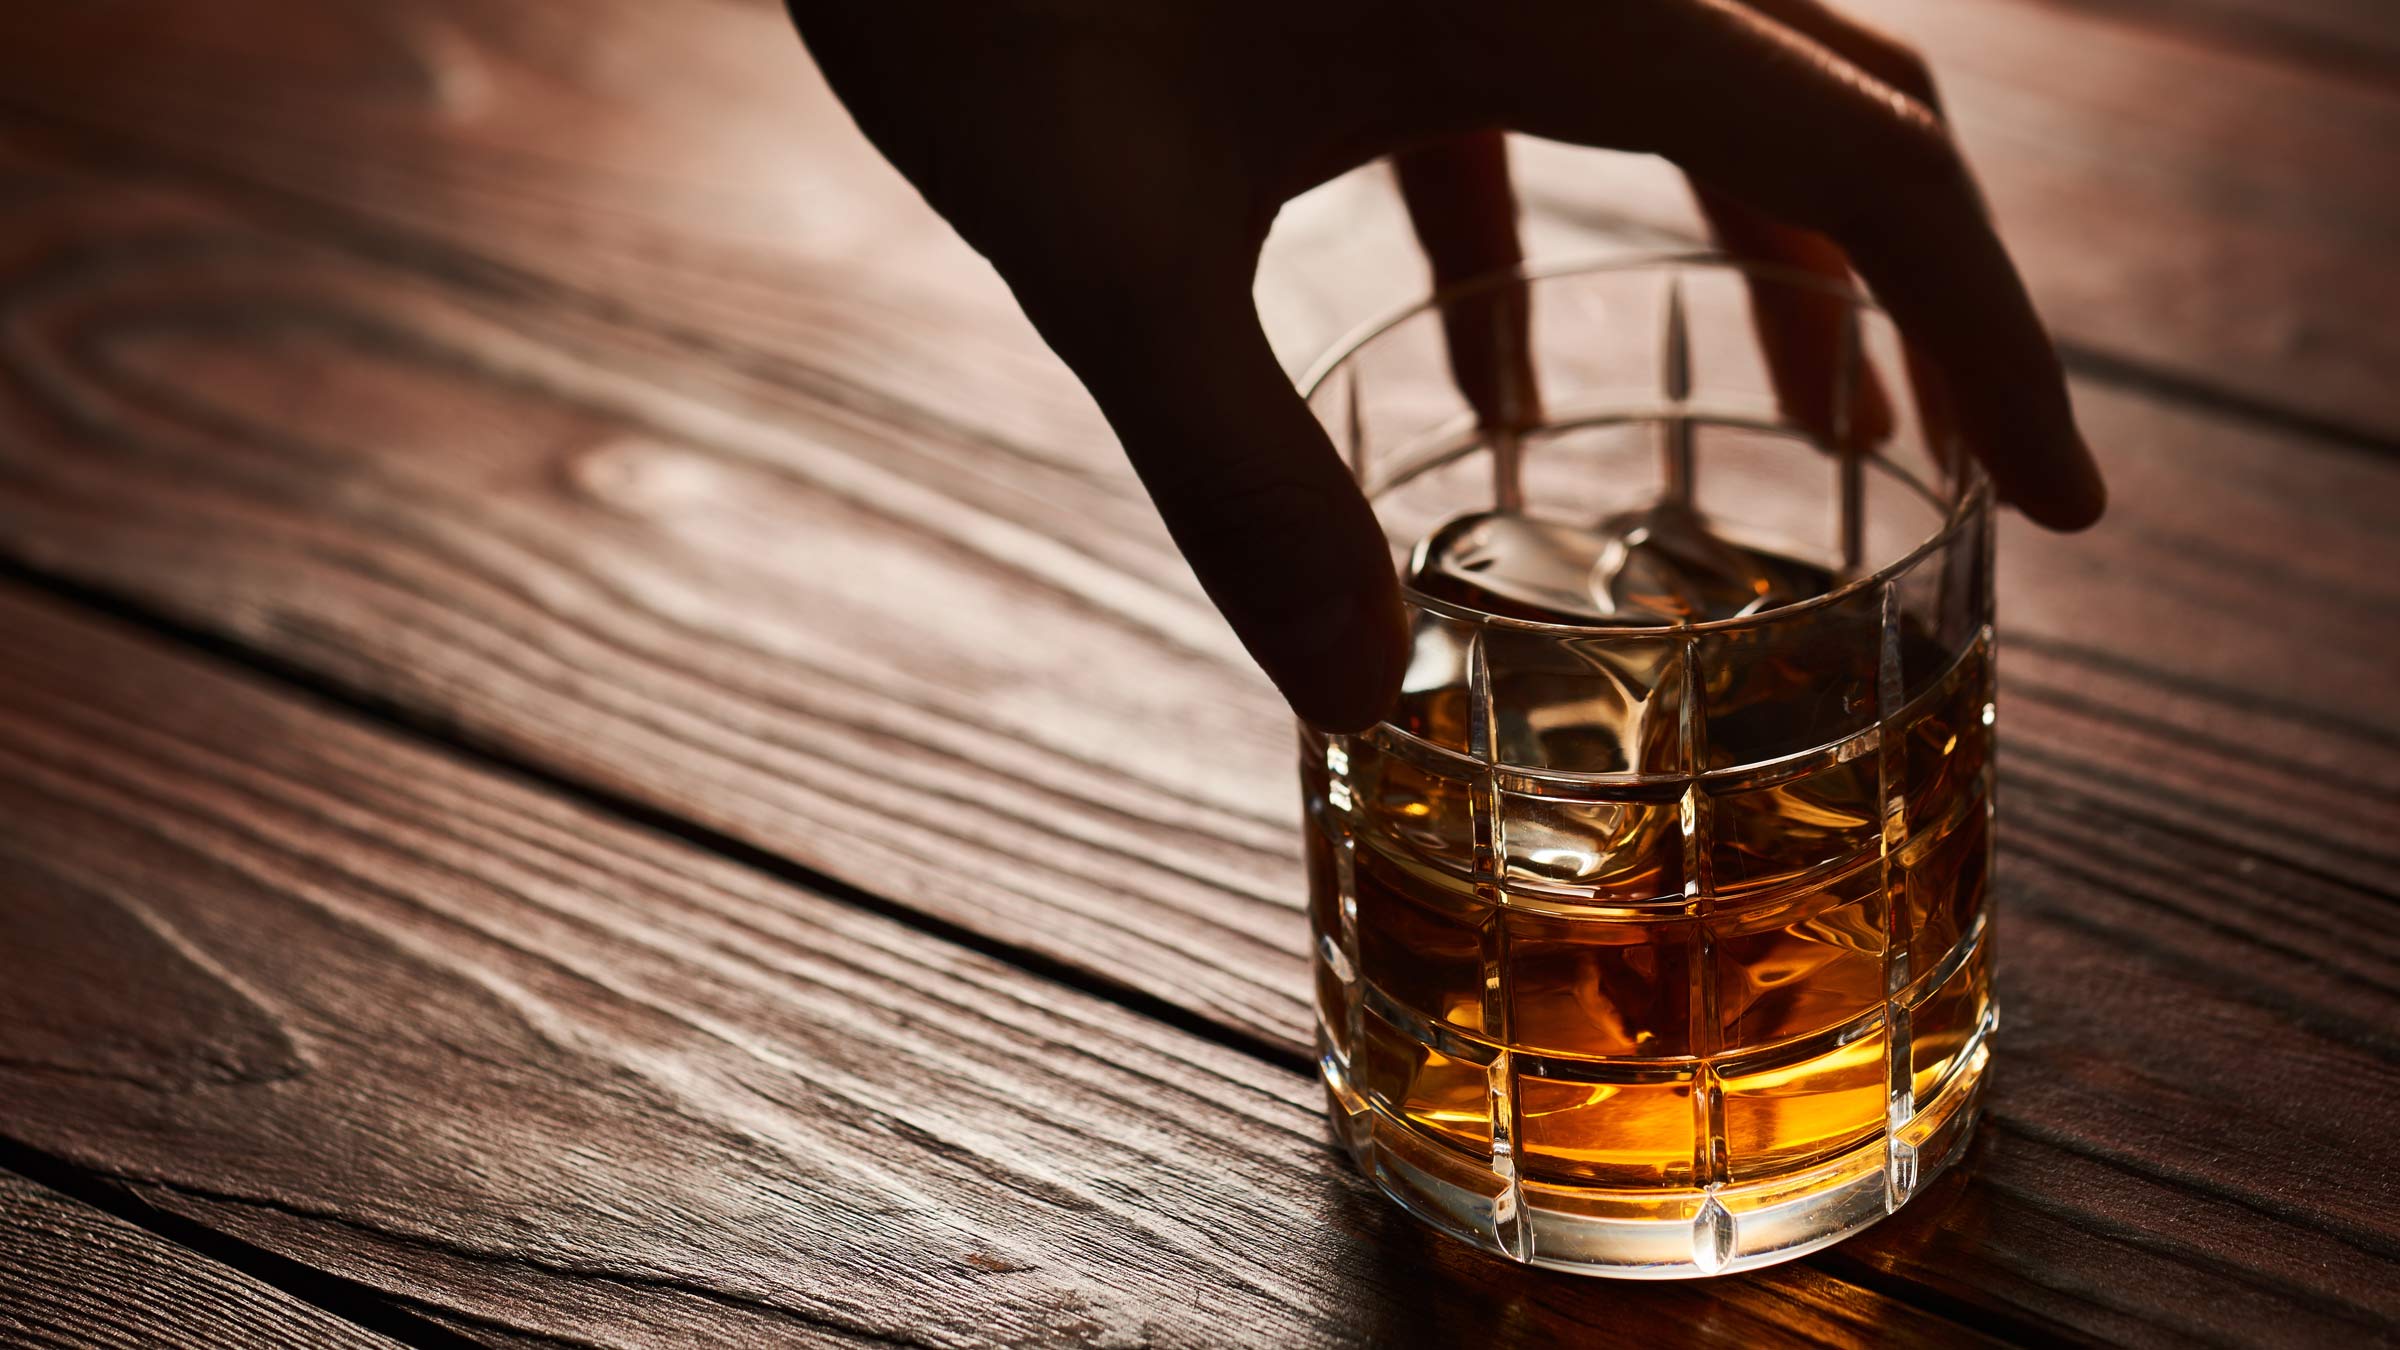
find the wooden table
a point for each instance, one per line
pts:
(597, 745)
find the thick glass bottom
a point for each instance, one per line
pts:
(1662, 1234)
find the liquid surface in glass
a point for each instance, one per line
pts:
(1696, 980)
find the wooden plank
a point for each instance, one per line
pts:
(686, 164)
(2354, 38)
(548, 1076)
(2185, 210)
(529, 528)
(72, 1275)
(727, 609)
(2199, 214)
(841, 624)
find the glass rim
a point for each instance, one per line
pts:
(1973, 501)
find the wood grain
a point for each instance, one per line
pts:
(2186, 210)
(684, 164)
(2350, 39)
(841, 624)
(873, 650)
(868, 648)
(576, 384)
(72, 1275)
(546, 1076)
(2186, 213)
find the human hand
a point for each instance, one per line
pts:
(1119, 165)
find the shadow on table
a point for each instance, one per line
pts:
(1439, 1292)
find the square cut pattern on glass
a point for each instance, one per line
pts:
(1318, 848)
(1420, 939)
(1314, 780)
(1764, 838)
(1333, 1006)
(1802, 968)
(1947, 742)
(1713, 340)
(1945, 602)
(1605, 1134)
(1793, 685)
(1442, 1096)
(1406, 809)
(1792, 1115)
(1941, 1025)
(1434, 697)
(1620, 852)
(1942, 881)
(1586, 704)
(1756, 484)
(1591, 472)
(1325, 920)
(1599, 987)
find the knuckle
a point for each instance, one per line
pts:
(1887, 58)
(1918, 154)
(1903, 68)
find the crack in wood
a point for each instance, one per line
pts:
(338, 1295)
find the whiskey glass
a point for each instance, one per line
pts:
(1651, 929)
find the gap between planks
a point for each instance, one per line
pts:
(2085, 360)
(494, 276)
(377, 1311)
(392, 714)
(499, 278)
(337, 1296)
(270, 690)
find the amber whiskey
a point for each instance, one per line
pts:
(1671, 930)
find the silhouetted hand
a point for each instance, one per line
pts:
(1119, 162)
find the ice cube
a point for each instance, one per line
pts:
(1658, 565)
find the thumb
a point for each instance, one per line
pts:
(1261, 506)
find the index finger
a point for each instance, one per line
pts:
(1816, 141)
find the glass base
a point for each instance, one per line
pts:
(1657, 1234)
